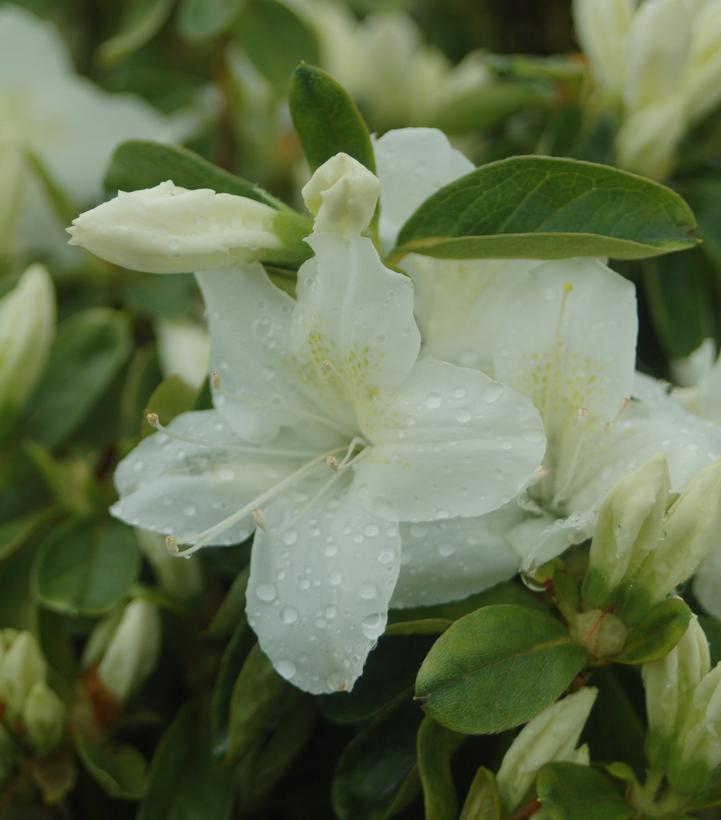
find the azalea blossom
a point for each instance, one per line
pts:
(328, 432)
(52, 116)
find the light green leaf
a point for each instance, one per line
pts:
(546, 208)
(326, 118)
(435, 748)
(89, 350)
(141, 20)
(657, 634)
(482, 801)
(86, 567)
(496, 668)
(569, 791)
(138, 164)
(204, 19)
(119, 769)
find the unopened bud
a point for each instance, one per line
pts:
(22, 667)
(551, 736)
(342, 195)
(602, 634)
(44, 718)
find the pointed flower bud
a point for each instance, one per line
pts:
(168, 229)
(551, 736)
(22, 667)
(132, 651)
(27, 327)
(342, 196)
(44, 718)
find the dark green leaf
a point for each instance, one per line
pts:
(16, 532)
(435, 748)
(138, 164)
(569, 791)
(203, 19)
(376, 765)
(89, 350)
(86, 567)
(119, 769)
(232, 610)
(547, 208)
(423, 626)
(496, 668)
(166, 297)
(657, 634)
(142, 377)
(141, 20)
(326, 118)
(482, 801)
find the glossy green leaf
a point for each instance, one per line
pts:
(86, 567)
(89, 350)
(183, 781)
(138, 164)
(547, 208)
(482, 801)
(376, 766)
(569, 791)
(204, 19)
(119, 769)
(141, 20)
(657, 634)
(496, 668)
(435, 748)
(326, 118)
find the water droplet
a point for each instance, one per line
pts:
(335, 578)
(331, 612)
(367, 591)
(290, 537)
(372, 626)
(433, 400)
(289, 615)
(492, 393)
(463, 416)
(266, 592)
(286, 669)
(445, 550)
(371, 530)
(303, 583)
(189, 510)
(386, 556)
(330, 550)
(459, 393)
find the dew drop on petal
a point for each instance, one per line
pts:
(289, 615)
(492, 393)
(290, 537)
(266, 592)
(367, 591)
(372, 626)
(433, 400)
(286, 669)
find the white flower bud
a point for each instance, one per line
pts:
(183, 350)
(342, 195)
(44, 718)
(22, 667)
(167, 229)
(551, 736)
(133, 650)
(648, 139)
(703, 72)
(27, 327)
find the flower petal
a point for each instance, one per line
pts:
(412, 164)
(449, 560)
(353, 329)
(450, 442)
(707, 583)
(320, 583)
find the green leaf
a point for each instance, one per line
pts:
(376, 766)
(482, 801)
(422, 626)
(569, 791)
(141, 20)
(142, 377)
(657, 634)
(183, 782)
(326, 118)
(496, 668)
(86, 567)
(16, 532)
(232, 609)
(203, 19)
(154, 296)
(435, 748)
(546, 208)
(89, 350)
(119, 769)
(170, 398)
(276, 39)
(138, 164)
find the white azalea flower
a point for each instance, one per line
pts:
(60, 118)
(327, 433)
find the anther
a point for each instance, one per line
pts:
(215, 379)
(327, 365)
(332, 463)
(171, 544)
(258, 517)
(153, 420)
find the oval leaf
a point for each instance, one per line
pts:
(569, 791)
(657, 634)
(203, 19)
(482, 801)
(435, 749)
(326, 118)
(141, 20)
(86, 567)
(548, 208)
(496, 668)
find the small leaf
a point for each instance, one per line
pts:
(496, 668)
(89, 350)
(203, 19)
(482, 801)
(326, 118)
(546, 208)
(86, 567)
(141, 20)
(118, 769)
(569, 791)
(435, 748)
(138, 164)
(657, 634)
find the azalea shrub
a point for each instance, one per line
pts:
(360, 410)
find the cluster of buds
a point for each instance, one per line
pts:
(33, 717)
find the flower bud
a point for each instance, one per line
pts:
(602, 634)
(628, 527)
(184, 350)
(27, 327)
(669, 684)
(22, 667)
(167, 229)
(703, 72)
(551, 736)
(342, 195)
(648, 139)
(132, 651)
(44, 718)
